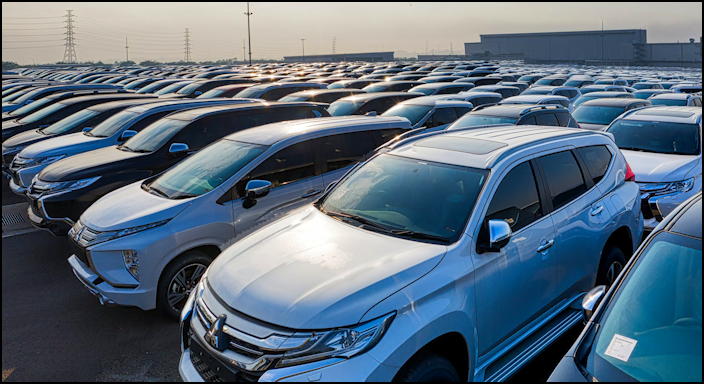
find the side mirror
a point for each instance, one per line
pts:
(253, 190)
(178, 148)
(370, 113)
(87, 129)
(499, 234)
(330, 186)
(197, 93)
(591, 300)
(127, 134)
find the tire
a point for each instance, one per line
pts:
(428, 367)
(612, 263)
(189, 267)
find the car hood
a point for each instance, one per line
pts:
(659, 167)
(89, 164)
(310, 271)
(64, 145)
(24, 139)
(128, 207)
(8, 124)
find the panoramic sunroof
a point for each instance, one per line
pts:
(667, 113)
(461, 144)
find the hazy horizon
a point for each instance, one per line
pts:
(34, 32)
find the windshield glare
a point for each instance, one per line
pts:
(155, 135)
(343, 108)
(189, 89)
(442, 196)
(112, 125)
(658, 311)
(31, 107)
(69, 122)
(414, 113)
(206, 170)
(592, 114)
(42, 113)
(211, 93)
(172, 88)
(657, 136)
(475, 120)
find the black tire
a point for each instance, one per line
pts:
(613, 261)
(191, 264)
(428, 367)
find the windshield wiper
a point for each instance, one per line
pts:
(359, 219)
(634, 149)
(123, 148)
(419, 235)
(157, 192)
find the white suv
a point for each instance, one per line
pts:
(664, 147)
(448, 256)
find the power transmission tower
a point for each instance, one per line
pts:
(333, 45)
(127, 50)
(187, 46)
(249, 33)
(303, 48)
(70, 41)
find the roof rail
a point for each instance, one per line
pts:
(541, 107)
(480, 107)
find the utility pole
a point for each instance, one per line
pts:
(249, 33)
(602, 41)
(244, 52)
(70, 42)
(187, 46)
(450, 48)
(127, 50)
(303, 48)
(333, 45)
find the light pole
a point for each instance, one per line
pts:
(303, 49)
(249, 33)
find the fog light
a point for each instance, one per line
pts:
(131, 262)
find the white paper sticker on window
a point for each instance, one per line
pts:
(620, 347)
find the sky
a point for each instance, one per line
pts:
(33, 32)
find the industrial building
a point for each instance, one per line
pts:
(615, 47)
(366, 56)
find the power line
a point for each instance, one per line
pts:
(70, 46)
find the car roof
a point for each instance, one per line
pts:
(510, 110)
(433, 100)
(321, 91)
(102, 107)
(105, 96)
(185, 103)
(606, 94)
(364, 97)
(440, 84)
(197, 113)
(613, 101)
(482, 147)
(269, 134)
(672, 114)
(531, 99)
(672, 96)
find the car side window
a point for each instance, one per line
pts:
(563, 118)
(383, 136)
(563, 176)
(518, 206)
(141, 124)
(206, 130)
(290, 164)
(547, 118)
(290, 113)
(597, 159)
(378, 105)
(441, 116)
(277, 93)
(528, 120)
(461, 111)
(341, 150)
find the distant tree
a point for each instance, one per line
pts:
(124, 63)
(149, 63)
(8, 65)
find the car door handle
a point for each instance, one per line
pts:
(545, 245)
(597, 210)
(312, 192)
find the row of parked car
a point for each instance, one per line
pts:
(361, 221)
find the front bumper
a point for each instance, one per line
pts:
(108, 294)
(656, 206)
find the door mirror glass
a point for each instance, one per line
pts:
(127, 134)
(87, 129)
(253, 190)
(370, 113)
(178, 148)
(197, 93)
(591, 300)
(499, 234)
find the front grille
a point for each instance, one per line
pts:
(645, 208)
(212, 370)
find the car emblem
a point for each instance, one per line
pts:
(215, 335)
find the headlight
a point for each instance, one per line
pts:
(131, 260)
(655, 189)
(682, 186)
(341, 343)
(10, 150)
(60, 186)
(22, 162)
(93, 237)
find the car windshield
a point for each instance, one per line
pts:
(251, 92)
(69, 122)
(42, 113)
(112, 124)
(583, 99)
(593, 114)
(295, 98)
(154, 86)
(675, 102)
(652, 328)
(211, 93)
(154, 136)
(376, 197)
(656, 136)
(16, 95)
(530, 91)
(412, 112)
(343, 108)
(172, 88)
(190, 88)
(206, 170)
(31, 107)
(475, 120)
